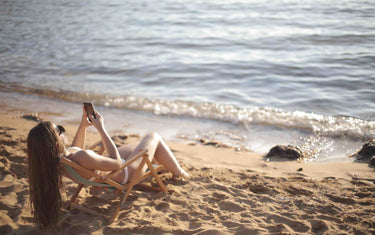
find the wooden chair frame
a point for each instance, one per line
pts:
(106, 181)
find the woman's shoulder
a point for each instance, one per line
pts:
(74, 149)
(84, 157)
(77, 154)
(78, 151)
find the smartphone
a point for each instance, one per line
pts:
(90, 110)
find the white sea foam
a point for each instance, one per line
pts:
(318, 124)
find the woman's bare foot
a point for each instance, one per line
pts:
(184, 175)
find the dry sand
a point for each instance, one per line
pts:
(229, 193)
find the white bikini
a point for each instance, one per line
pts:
(126, 176)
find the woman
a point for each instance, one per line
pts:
(46, 145)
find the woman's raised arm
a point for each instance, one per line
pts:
(89, 158)
(80, 137)
(108, 143)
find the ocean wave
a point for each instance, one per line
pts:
(330, 126)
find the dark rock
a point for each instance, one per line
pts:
(32, 117)
(258, 188)
(284, 152)
(367, 152)
(372, 162)
(212, 143)
(121, 137)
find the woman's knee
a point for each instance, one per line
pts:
(126, 150)
(153, 135)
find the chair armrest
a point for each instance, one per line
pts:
(127, 163)
(76, 166)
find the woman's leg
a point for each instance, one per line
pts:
(149, 142)
(164, 156)
(126, 150)
(156, 149)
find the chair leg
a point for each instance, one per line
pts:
(118, 208)
(132, 183)
(156, 176)
(75, 194)
(161, 184)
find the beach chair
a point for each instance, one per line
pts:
(123, 191)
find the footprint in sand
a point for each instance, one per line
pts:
(318, 226)
(297, 226)
(230, 206)
(259, 189)
(220, 196)
(163, 206)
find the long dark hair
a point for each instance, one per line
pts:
(44, 148)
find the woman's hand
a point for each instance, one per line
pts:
(80, 137)
(84, 121)
(98, 121)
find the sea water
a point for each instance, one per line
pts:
(250, 74)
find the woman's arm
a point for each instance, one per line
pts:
(80, 137)
(109, 145)
(90, 159)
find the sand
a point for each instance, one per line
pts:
(229, 192)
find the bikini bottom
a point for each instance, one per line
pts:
(126, 177)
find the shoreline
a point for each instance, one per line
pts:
(257, 138)
(229, 192)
